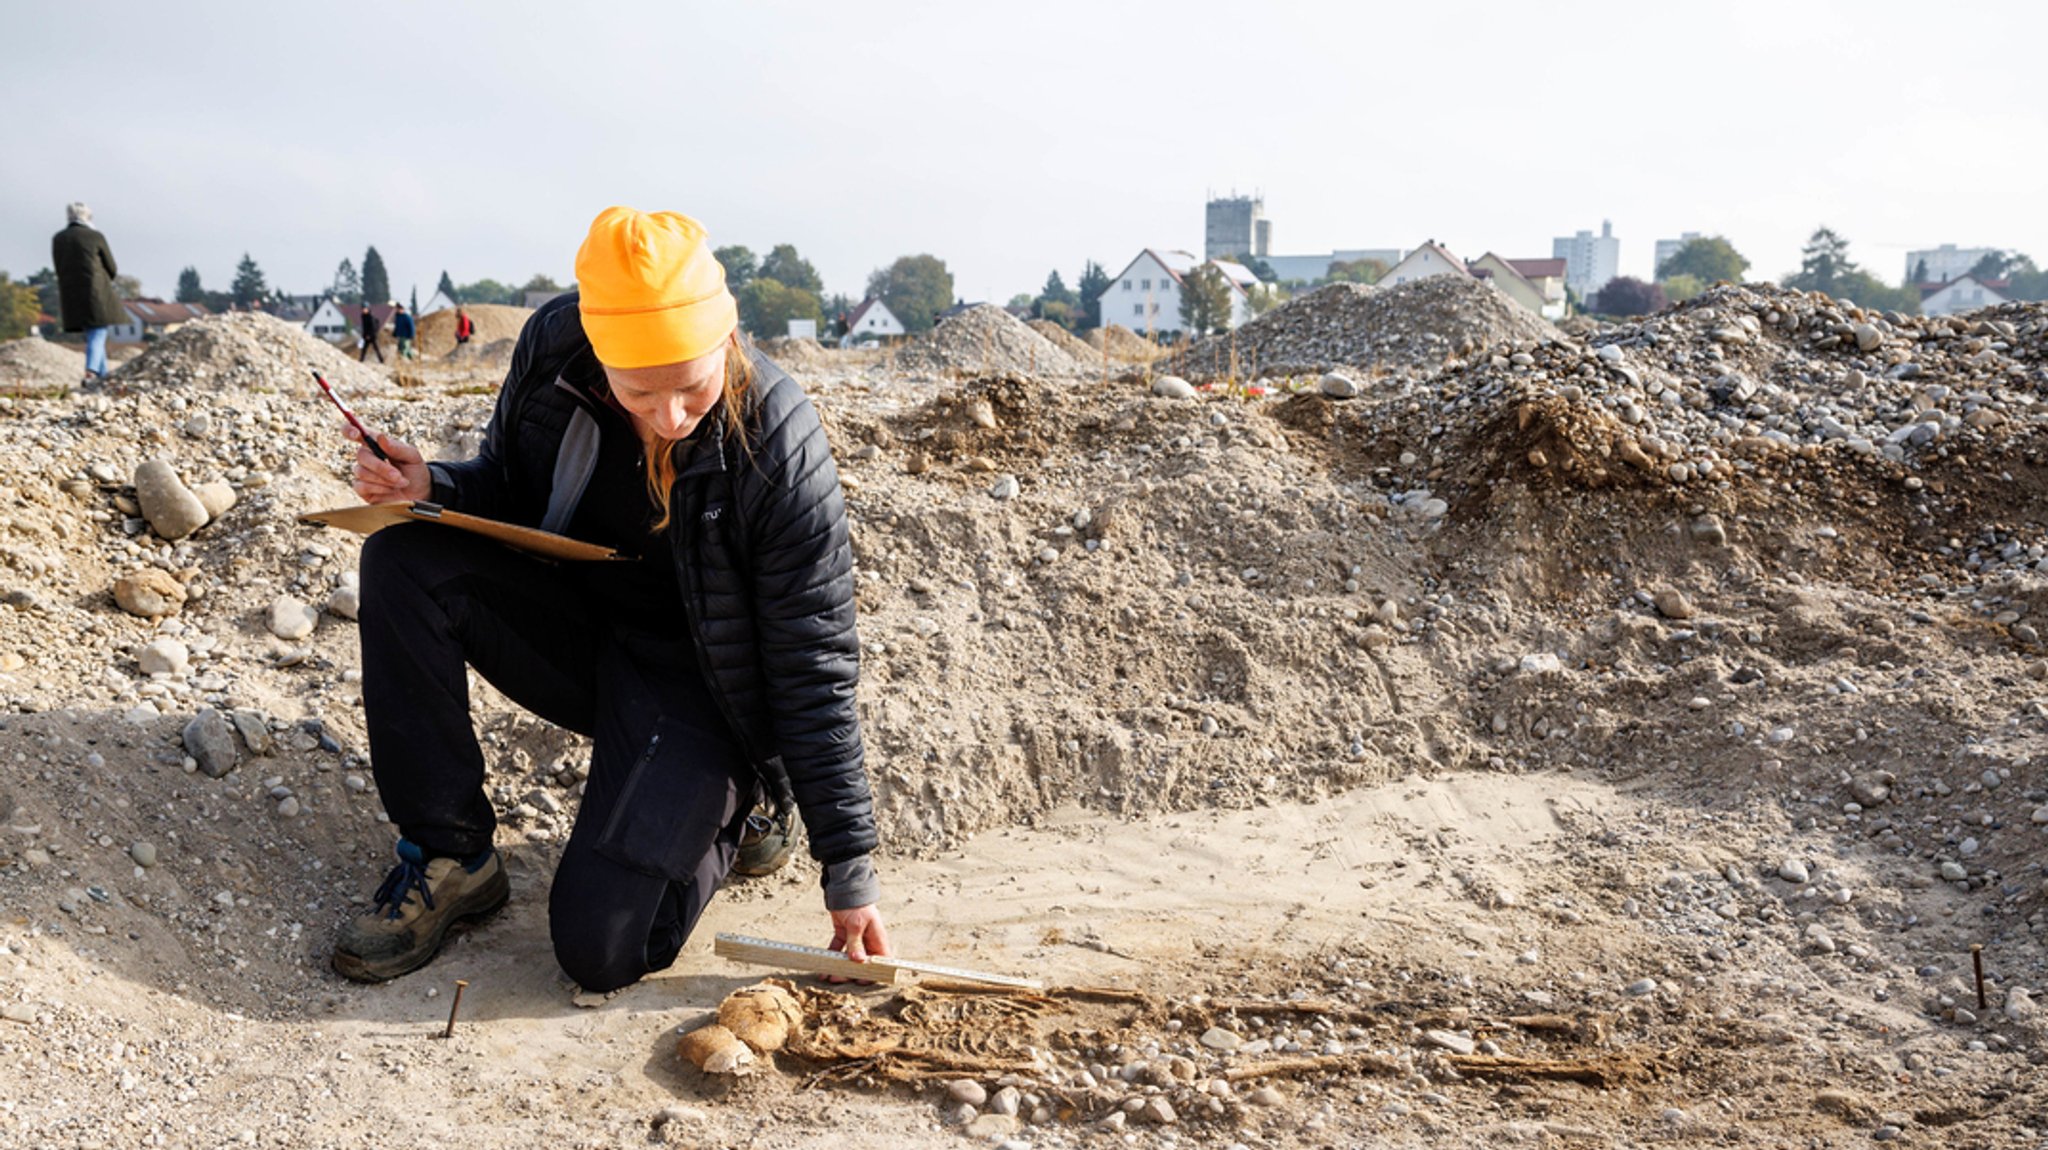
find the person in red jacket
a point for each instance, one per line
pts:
(464, 328)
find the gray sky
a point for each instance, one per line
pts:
(1009, 139)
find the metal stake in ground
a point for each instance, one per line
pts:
(1977, 960)
(454, 1006)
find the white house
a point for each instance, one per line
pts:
(329, 323)
(872, 320)
(1145, 296)
(1431, 259)
(1958, 295)
(149, 318)
(439, 302)
(1942, 264)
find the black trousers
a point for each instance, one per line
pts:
(669, 787)
(369, 345)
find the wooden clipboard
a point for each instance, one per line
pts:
(371, 518)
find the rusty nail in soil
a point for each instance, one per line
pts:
(1977, 960)
(453, 1007)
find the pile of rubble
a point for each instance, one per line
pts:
(986, 340)
(1421, 326)
(36, 365)
(1122, 343)
(494, 322)
(1745, 374)
(793, 353)
(1065, 340)
(243, 350)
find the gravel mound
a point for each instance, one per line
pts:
(493, 323)
(1417, 326)
(795, 353)
(1065, 340)
(245, 350)
(36, 364)
(1124, 344)
(986, 340)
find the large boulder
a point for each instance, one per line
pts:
(171, 508)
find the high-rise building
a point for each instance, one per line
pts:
(1234, 228)
(1589, 260)
(1942, 264)
(1668, 248)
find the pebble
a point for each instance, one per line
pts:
(1452, 1041)
(211, 743)
(1793, 870)
(288, 807)
(150, 593)
(1217, 1038)
(170, 507)
(1640, 987)
(1954, 871)
(1337, 385)
(967, 1090)
(164, 657)
(291, 618)
(993, 1126)
(144, 854)
(1173, 387)
(346, 602)
(1268, 1096)
(218, 497)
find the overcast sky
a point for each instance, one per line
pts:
(1009, 139)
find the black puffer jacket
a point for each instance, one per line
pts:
(763, 555)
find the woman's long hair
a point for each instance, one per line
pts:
(661, 452)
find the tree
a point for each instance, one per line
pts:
(916, 289)
(1265, 297)
(1355, 272)
(414, 306)
(1259, 268)
(740, 265)
(792, 270)
(248, 288)
(1094, 281)
(1626, 295)
(1204, 300)
(1920, 271)
(19, 306)
(1709, 260)
(486, 291)
(1822, 263)
(128, 287)
(347, 286)
(447, 287)
(1865, 290)
(1057, 312)
(1680, 288)
(376, 281)
(45, 283)
(2024, 280)
(189, 288)
(1022, 301)
(540, 282)
(767, 306)
(1056, 289)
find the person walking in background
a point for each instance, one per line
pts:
(465, 327)
(402, 331)
(85, 285)
(371, 327)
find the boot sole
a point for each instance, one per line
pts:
(358, 969)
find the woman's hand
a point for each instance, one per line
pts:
(404, 479)
(859, 932)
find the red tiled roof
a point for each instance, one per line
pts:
(1536, 269)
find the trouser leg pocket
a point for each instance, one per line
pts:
(682, 792)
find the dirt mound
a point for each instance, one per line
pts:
(797, 354)
(986, 340)
(244, 351)
(36, 365)
(1416, 327)
(1124, 344)
(494, 322)
(1065, 340)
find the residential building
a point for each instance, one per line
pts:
(872, 320)
(1668, 248)
(439, 301)
(1236, 226)
(1431, 259)
(150, 318)
(1145, 296)
(803, 329)
(1308, 269)
(329, 322)
(1942, 264)
(1965, 293)
(1535, 284)
(1589, 260)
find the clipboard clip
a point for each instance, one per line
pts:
(426, 510)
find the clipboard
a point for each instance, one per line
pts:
(371, 518)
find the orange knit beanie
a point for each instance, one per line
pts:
(651, 291)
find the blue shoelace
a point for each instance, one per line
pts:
(408, 876)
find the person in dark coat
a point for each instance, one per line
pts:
(714, 668)
(371, 326)
(402, 330)
(85, 285)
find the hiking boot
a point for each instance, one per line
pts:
(766, 844)
(420, 899)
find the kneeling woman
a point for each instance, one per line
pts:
(716, 669)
